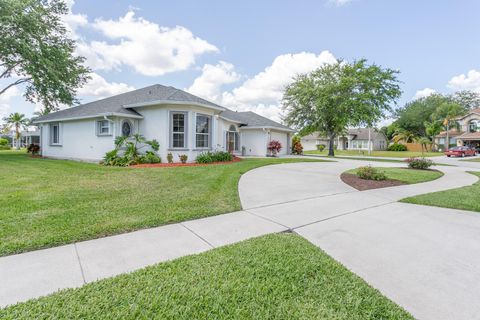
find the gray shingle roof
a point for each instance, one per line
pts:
(119, 104)
(116, 103)
(251, 119)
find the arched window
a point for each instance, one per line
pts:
(126, 128)
(233, 139)
(474, 126)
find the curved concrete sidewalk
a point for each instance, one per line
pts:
(310, 199)
(424, 258)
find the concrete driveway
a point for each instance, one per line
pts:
(426, 259)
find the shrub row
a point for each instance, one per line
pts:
(419, 163)
(397, 147)
(217, 156)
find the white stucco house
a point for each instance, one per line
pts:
(354, 139)
(181, 122)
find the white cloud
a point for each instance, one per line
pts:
(4, 111)
(213, 77)
(263, 92)
(10, 93)
(72, 21)
(423, 93)
(470, 81)
(339, 3)
(98, 87)
(145, 46)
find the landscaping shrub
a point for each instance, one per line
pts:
(183, 158)
(3, 142)
(150, 157)
(397, 147)
(217, 156)
(297, 147)
(370, 173)
(320, 147)
(274, 147)
(128, 151)
(419, 163)
(7, 147)
(170, 157)
(34, 149)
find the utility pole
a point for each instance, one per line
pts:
(369, 142)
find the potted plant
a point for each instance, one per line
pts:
(183, 158)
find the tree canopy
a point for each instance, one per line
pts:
(35, 51)
(340, 95)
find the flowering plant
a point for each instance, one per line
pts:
(274, 147)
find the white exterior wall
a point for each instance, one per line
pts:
(79, 141)
(282, 137)
(255, 142)
(156, 125)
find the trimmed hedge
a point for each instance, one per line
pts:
(217, 156)
(397, 147)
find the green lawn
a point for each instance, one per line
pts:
(409, 176)
(278, 276)
(46, 203)
(464, 198)
(389, 154)
(476, 159)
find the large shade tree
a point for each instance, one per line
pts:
(340, 95)
(35, 51)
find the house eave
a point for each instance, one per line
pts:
(171, 102)
(267, 127)
(112, 114)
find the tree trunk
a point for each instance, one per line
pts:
(331, 153)
(17, 136)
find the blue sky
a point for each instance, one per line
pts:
(241, 54)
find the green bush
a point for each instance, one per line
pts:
(7, 147)
(370, 173)
(183, 158)
(217, 156)
(150, 157)
(170, 157)
(320, 147)
(419, 163)
(34, 149)
(397, 147)
(3, 142)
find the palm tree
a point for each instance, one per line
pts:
(433, 129)
(424, 141)
(447, 113)
(19, 122)
(404, 135)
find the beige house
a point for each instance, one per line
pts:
(467, 135)
(354, 139)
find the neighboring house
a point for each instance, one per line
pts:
(181, 122)
(27, 137)
(354, 139)
(467, 135)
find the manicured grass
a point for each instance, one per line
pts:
(409, 176)
(389, 154)
(278, 276)
(476, 159)
(51, 202)
(464, 198)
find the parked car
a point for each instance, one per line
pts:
(460, 152)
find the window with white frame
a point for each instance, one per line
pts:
(103, 128)
(178, 129)
(54, 133)
(202, 131)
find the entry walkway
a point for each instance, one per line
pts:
(423, 258)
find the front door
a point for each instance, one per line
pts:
(231, 141)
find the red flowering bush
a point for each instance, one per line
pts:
(274, 147)
(297, 147)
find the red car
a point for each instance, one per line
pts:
(460, 152)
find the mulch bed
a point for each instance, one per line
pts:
(173, 165)
(362, 184)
